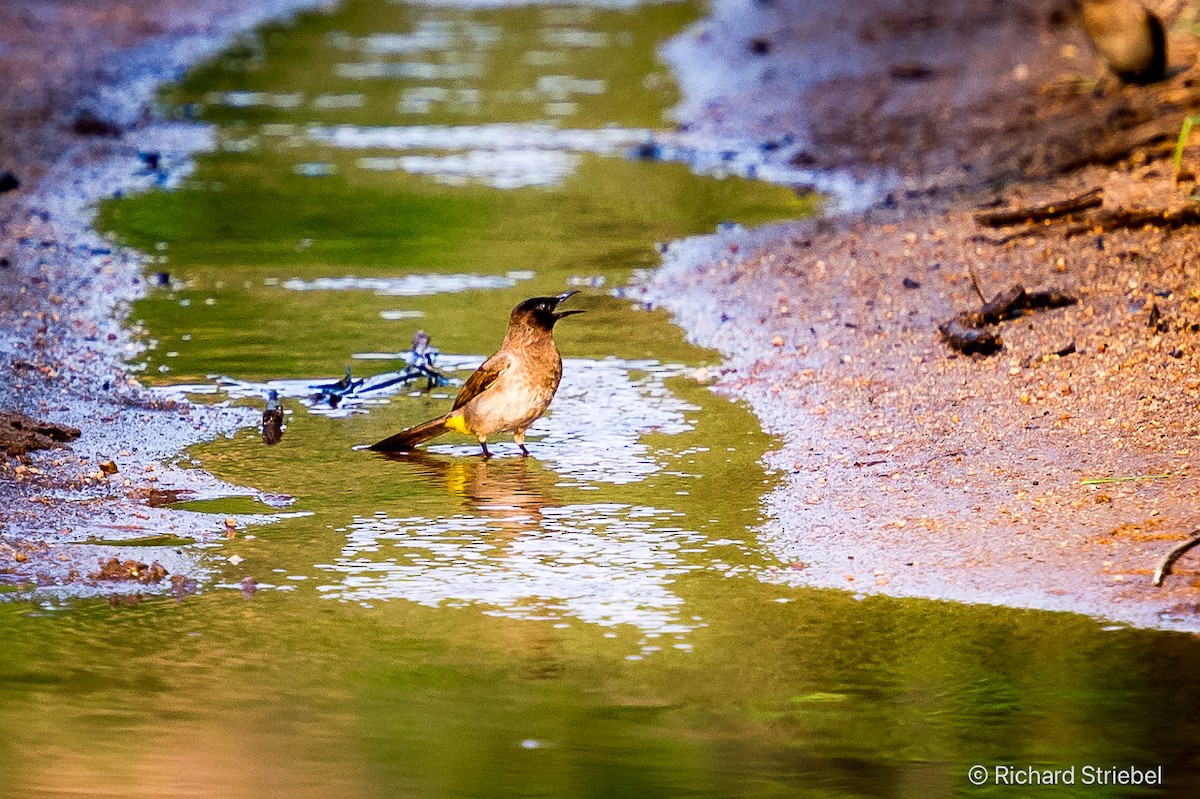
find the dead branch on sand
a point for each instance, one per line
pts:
(967, 331)
(1092, 198)
(1175, 554)
(1136, 218)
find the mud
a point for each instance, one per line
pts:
(1052, 475)
(129, 569)
(77, 86)
(19, 434)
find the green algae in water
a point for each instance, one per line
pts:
(250, 231)
(283, 270)
(585, 622)
(278, 696)
(311, 238)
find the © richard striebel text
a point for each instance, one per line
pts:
(1001, 774)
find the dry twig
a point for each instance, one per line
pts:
(1092, 198)
(1175, 554)
(967, 332)
(1118, 219)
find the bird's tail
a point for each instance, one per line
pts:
(405, 440)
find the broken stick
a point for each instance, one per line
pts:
(1118, 219)
(969, 340)
(1175, 554)
(1092, 198)
(967, 331)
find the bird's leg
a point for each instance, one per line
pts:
(519, 438)
(486, 454)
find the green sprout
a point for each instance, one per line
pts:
(1184, 133)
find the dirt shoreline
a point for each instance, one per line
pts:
(909, 470)
(65, 290)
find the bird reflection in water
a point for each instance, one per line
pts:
(494, 488)
(506, 492)
(521, 542)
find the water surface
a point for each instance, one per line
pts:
(589, 621)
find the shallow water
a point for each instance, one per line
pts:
(588, 621)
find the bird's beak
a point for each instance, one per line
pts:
(566, 294)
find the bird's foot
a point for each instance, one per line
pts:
(524, 452)
(485, 454)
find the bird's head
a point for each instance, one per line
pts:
(542, 312)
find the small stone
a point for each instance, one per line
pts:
(88, 124)
(912, 70)
(760, 45)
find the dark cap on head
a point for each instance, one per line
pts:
(543, 311)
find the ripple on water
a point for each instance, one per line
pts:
(605, 564)
(408, 285)
(329, 102)
(408, 70)
(522, 555)
(707, 154)
(620, 410)
(495, 136)
(248, 99)
(509, 169)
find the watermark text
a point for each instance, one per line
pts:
(1024, 776)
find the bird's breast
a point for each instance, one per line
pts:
(516, 399)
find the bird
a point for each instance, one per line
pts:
(272, 420)
(1128, 37)
(510, 391)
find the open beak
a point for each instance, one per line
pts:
(560, 314)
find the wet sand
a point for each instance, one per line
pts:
(910, 470)
(65, 291)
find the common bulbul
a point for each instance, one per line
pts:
(1129, 37)
(510, 391)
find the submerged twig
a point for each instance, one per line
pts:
(1164, 568)
(272, 420)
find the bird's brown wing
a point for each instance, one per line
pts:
(482, 378)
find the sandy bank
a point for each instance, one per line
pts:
(64, 290)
